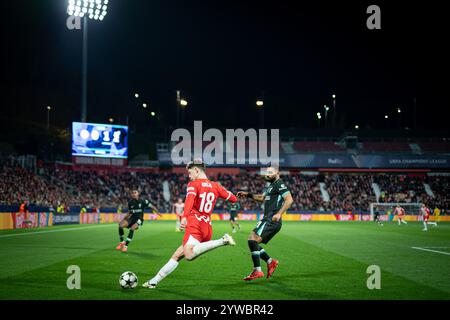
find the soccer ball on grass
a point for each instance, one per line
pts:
(128, 280)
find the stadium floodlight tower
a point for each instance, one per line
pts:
(86, 9)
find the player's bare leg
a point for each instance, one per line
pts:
(122, 224)
(259, 253)
(194, 248)
(167, 269)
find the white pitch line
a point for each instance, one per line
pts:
(49, 231)
(423, 249)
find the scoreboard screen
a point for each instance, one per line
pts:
(99, 140)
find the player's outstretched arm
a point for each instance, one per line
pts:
(150, 205)
(256, 197)
(225, 194)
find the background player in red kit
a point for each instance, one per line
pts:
(426, 212)
(201, 197)
(178, 208)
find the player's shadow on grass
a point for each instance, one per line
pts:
(308, 275)
(284, 285)
(142, 254)
(295, 293)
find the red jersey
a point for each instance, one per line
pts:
(426, 212)
(400, 211)
(201, 198)
(23, 208)
(202, 195)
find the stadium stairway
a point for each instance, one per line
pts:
(416, 149)
(324, 192)
(428, 190)
(376, 190)
(166, 190)
(288, 147)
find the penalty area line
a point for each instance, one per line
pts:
(50, 231)
(436, 251)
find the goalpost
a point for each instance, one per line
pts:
(411, 208)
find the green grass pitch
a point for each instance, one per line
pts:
(318, 260)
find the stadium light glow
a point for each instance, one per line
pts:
(398, 110)
(319, 116)
(183, 103)
(94, 9)
(260, 103)
(334, 96)
(153, 114)
(356, 127)
(386, 117)
(49, 108)
(144, 105)
(111, 120)
(136, 95)
(326, 107)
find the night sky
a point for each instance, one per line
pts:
(223, 55)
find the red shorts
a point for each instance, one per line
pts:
(425, 218)
(199, 228)
(400, 216)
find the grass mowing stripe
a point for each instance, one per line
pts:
(51, 231)
(423, 249)
(50, 249)
(394, 281)
(317, 261)
(379, 246)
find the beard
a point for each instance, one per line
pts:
(270, 179)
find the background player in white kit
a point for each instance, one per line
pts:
(178, 208)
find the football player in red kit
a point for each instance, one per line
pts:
(426, 217)
(201, 196)
(400, 212)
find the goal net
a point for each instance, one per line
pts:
(388, 208)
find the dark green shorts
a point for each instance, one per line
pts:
(233, 215)
(267, 229)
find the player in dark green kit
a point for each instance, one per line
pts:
(277, 200)
(234, 207)
(134, 219)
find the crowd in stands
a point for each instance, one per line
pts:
(103, 189)
(349, 192)
(18, 184)
(440, 185)
(401, 188)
